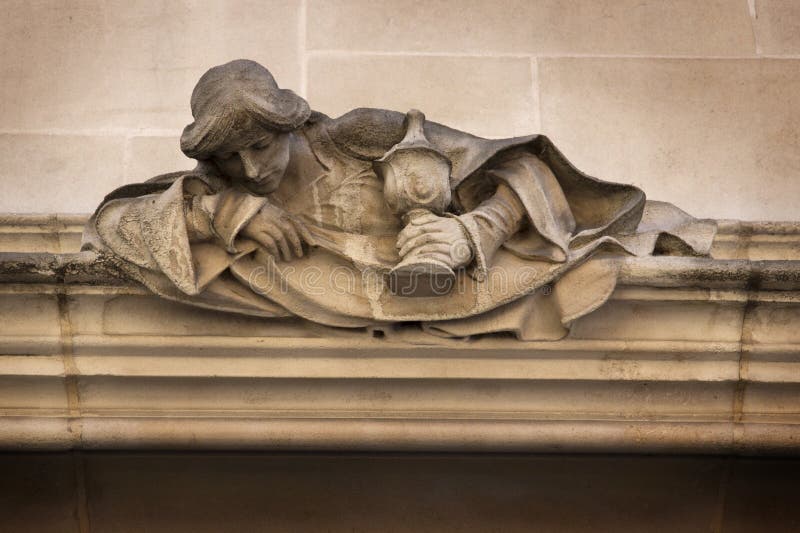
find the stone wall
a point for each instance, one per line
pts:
(696, 102)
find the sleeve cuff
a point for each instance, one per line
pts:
(471, 229)
(233, 211)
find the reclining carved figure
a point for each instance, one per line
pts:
(292, 213)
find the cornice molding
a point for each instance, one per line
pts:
(690, 355)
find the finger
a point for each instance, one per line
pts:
(409, 232)
(432, 222)
(424, 219)
(267, 242)
(437, 248)
(253, 228)
(305, 234)
(403, 240)
(290, 232)
(425, 238)
(286, 253)
(277, 235)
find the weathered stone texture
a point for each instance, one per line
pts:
(58, 173)
(718, 138)
(777, 27)
(629, 27)
(146, 157)
(121, 64)
(489, 97)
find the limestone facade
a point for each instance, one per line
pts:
(697, 103)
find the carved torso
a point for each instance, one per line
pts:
(335, 189)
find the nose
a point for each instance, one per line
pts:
(249, 163)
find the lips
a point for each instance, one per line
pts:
(266, 182)
(272, 177)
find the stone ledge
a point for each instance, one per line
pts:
(61, 233)
(688, 356)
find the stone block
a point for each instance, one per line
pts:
(777, 27)
(659, 320)
(770, 401)
(58, 173)
(601, 27)
(353, 397)
(32, 394)
(122, 64)
(485, 96)
(144, 315)
(28, 242)
(29, 315)
(41, 233)
(146, 157)
(770, 324)
(52, 242)
(717, 138)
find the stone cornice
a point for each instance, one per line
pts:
(690, 355)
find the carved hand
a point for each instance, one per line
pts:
(442, 238)
(282, 234)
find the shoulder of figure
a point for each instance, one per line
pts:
(367, 133)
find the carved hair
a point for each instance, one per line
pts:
(240, 97)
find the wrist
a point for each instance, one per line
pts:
(234, 210)
(463, 250)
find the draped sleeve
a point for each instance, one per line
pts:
(188, 233)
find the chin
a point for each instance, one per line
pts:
(268, 184)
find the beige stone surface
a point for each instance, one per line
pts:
(121, 64)
(759, 241)
(766, 324)
(58, 173)
(29, 315)
(41, 233)
(484, 398)
(777, 27)
(490, 97)
(643, 319)
(594, 27)
(146, 157)
(43, 393)
(717, 138)
(134, 314)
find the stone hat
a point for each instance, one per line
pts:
(236, 95)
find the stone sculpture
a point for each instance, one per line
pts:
(377, 218)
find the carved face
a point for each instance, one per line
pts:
(258, 161)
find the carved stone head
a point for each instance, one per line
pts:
(242, 123)
(238, 100)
